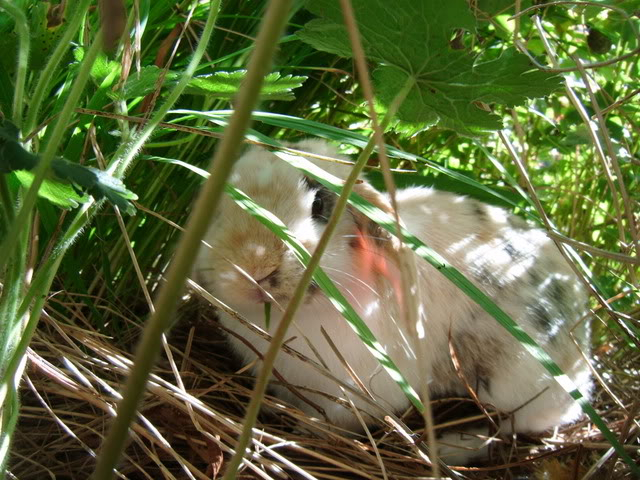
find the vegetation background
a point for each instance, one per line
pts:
(80, 263)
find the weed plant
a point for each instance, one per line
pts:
(110, 115)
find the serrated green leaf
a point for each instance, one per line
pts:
(411, 41)
(143, 83)
(102, 68)
(226, 84)
(218, 85)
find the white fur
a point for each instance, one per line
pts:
(535, 286)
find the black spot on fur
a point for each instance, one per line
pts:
(485, 277)
(513, 253)
(479, 211)
(484, 383)
(536, 279)
(557, 291)
(274, 281)
(542, 316)
(560, 295)
(482, 380)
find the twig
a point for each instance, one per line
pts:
(149, 346)
(406, 258)
(616, 168)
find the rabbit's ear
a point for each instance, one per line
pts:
(375, 250)
(369, 233)
(367, 226)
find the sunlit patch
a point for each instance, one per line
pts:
(372, 308)
(378, 351)
(420, 329)
(520, 268)
(304, 231)
(464, 243)
(420, 324)
(555, 276)
(228, 276)
(260, 251)
(497, 215)
(566, 382)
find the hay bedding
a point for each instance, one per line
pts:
(192, 413)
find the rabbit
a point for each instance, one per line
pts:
(245, 265)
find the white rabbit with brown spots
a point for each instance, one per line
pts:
(519, 267)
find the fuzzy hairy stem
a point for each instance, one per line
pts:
(407, 259)
(22, 27)
(43, 167)
(47, 74)
(279, 335)
(149, 346)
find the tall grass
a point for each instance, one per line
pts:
(76, 266)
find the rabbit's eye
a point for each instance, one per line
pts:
(317, 209)
(323, 204)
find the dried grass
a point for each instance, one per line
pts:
(191, 414)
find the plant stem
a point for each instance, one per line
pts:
(62, 122)
(47, 75)
(149, 346)
(7, 201)
(125, 154)
(278, 337)
(23, 58)
(11, 333)
(88, 210)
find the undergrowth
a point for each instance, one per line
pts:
(547, 125)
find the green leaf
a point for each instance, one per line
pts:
(44, 37)
(103, 67)
(226, 84)
(218, 85)
(411, 41)
(96, 182)
(14, 158)
(142, 83)
(327, 36)
(60, 194)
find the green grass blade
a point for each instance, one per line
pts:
(466, 286)
(62, 123)
(275, 225)
(345, 136)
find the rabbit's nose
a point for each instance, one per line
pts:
(272, 279)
